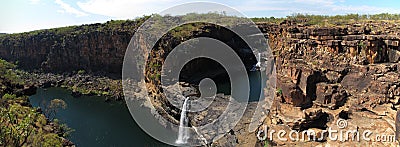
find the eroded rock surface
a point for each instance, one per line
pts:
(356, 79)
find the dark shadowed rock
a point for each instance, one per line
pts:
(291, 93)
(330, 95)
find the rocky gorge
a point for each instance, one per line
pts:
(345, 72)
(324, 73)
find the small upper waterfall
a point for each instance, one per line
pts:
(257, 66)
(183, 134)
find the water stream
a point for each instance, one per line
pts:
(183, 134)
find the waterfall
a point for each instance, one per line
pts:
(183, 134)
(259, 60)
(257, 66)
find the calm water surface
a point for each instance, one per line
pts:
(96, 122)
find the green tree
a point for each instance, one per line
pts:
(51, 109)
(17, 124)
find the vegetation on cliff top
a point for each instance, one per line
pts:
(132, 25)
(20, 124)
(327, 20)
(112, 25)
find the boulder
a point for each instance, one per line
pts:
(291, 93)
(330, 95)
(394, 55)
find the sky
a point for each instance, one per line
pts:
(27, 15)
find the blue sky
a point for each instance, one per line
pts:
(27, 15)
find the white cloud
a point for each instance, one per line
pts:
(126, 8)
(34, 1)
(133, 8)
(66, 8)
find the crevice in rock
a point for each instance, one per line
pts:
(318, 120)
(344, 114)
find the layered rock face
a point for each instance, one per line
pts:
(330, 73)
(97, 48)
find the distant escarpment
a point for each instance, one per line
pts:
(96, 48)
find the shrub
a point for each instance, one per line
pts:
(9, 96)
(80, 72)
(51, 140)
(279, 91)
(17, 124)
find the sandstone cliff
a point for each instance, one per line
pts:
(97, 48)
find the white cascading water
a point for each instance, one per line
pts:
(183, 134)
(257, 66)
